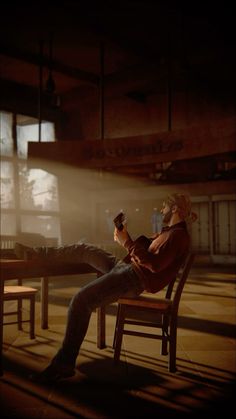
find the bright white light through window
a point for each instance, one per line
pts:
(7, 184)
(6, 140)
(26, 192)
(28, 133)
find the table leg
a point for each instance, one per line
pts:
(44, 302)
(1, 323)
(19, 308)
(101, 327)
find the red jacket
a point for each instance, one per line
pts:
(158, 263)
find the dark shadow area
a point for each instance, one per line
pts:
(21, 384)
(209, 282)
(123, 391)
(212, 377)
(207, 374)
(207, 326)
(206, 294)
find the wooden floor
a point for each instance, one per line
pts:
(140, 386)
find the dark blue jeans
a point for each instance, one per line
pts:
(118, 279)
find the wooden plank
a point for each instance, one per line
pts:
(193, 142)
(16, 268)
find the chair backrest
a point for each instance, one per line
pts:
(180, 281)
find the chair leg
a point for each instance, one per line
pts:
(164, 340)
(115, 333)
(172, 353)
(119, 333)
(101, 327)
(32, 316)
(19, 313)
(19, 308)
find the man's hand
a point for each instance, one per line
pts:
(121, 236)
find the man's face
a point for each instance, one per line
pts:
(166, 212)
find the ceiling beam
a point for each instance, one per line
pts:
(31, 58)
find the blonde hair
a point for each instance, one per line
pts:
(183, 203)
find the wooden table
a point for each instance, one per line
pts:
(22, 269)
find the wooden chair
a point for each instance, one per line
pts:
(164, 313)
(19, 293)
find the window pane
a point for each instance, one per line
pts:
(7, 185)
(38, 189)
(225, 227)
(8, 225)
(29, 132)
(47, 226)
(6, 140)
(200, 229)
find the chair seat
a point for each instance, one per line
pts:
(147, 301)
(20, 293)
(15, 291)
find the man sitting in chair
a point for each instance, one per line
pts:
(150, 265)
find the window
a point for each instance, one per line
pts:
(29, 197)
(200, 229)
(224, 230)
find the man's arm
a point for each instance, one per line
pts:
(176, 246)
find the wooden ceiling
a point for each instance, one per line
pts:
(139, 37)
